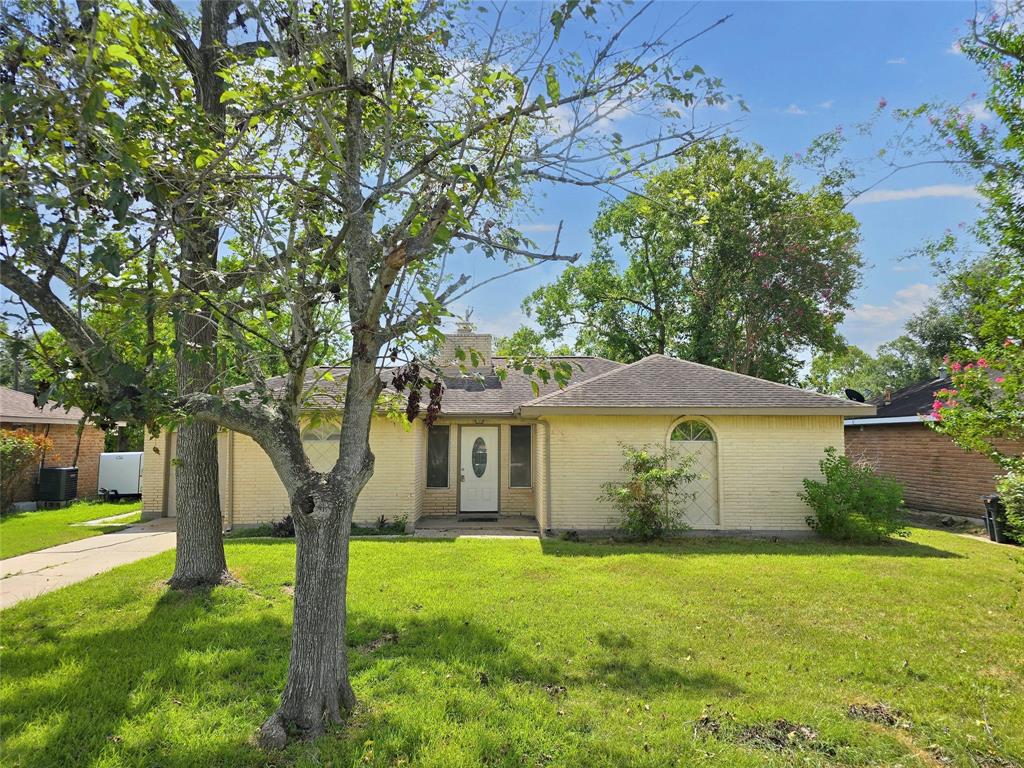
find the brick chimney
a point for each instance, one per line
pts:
(466, 339)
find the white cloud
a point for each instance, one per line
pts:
(793, 109)
(900, 60)
(976, 109)
(827, 104)
(916, 193)
(905, 302)
(869, 325)
(562, 119)
(537, 228)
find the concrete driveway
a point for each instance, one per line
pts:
(39, 572)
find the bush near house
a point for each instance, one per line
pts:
(1011, 492)
(649, 498)
(853, 503)
(19, 450)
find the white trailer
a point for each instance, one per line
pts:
(120, 474)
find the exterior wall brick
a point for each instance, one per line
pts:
(251, 491)
(762, 461)
(937, 476)
(512, 501)
(156, 452)
(65, 437)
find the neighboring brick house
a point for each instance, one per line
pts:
(18, 411)
(500, 448)
(937, 475)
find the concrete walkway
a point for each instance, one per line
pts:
(39, 572)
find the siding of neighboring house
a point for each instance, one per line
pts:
(937, 476)
(65, 437)
(762, 461)
(512, 501)
(251, 491)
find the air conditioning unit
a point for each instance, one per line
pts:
(120, 474)
(58, 483)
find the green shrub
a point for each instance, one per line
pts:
(853, 503)
(648, 499)
(19, 451)
(1011, 492)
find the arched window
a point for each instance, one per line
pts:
(692, 431)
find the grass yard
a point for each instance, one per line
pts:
(521, 653)
(22, 532)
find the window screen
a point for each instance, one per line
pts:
(437, 456)
(520, 473)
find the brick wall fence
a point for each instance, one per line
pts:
(937, 476)
(64, 437)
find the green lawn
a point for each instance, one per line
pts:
(520, 653)
(22, 532)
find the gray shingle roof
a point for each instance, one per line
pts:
(463, 395)
(656, 383)
(663, 383)
(18, 408)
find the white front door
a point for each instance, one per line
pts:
(478, 469)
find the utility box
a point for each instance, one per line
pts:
(58, 483)
(120, 474)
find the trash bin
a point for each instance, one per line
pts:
(995, 518)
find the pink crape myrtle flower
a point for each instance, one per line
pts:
(882, 103)
(1000, 379)
(955, 367)
(982, 362)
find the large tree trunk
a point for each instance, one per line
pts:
(200, 557)
(317, 691)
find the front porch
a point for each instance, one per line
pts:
(451, 526)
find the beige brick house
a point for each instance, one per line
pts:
(500, 450)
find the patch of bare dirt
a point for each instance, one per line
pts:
(992, 760)
(778, 735)
(386, 638)
(879, 713)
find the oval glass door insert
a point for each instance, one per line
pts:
(479, 457)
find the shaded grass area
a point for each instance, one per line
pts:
(517, 653)
(22, 532)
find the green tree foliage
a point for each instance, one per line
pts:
(953, 320)
(898, 363)
(727, 263)
(985, 405)
(528, 342)
(374, 141)
(17, 369)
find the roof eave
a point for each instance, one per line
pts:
(5, 419)
(854, 409)
(923, 418)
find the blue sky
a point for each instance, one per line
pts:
(804, 68)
